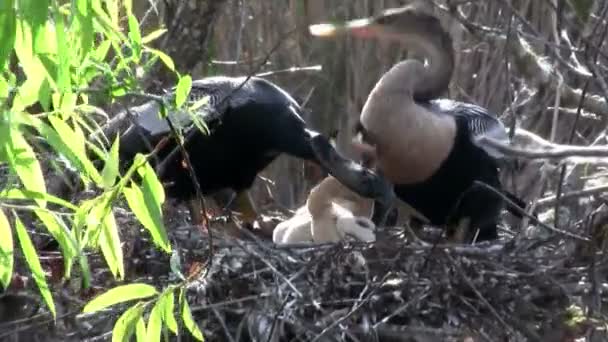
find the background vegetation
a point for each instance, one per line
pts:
(540, 65)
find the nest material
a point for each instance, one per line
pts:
(396, 289)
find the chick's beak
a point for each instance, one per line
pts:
(360, 28)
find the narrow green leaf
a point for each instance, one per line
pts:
(140, 330)
(8, 27)
(110, 169)
(151, 185)
(109, 242)
(189, 321)
(102, 50)
(13, 193)
(4, 86)
(71, 143)
(6, 251)
(167, 305)
(113, 9)
(155, 323)
(163, 57)
(183, 90)
(56, 227)
(29, 252)
(63, 78)
(119, 294)
(85, 20)
(23, 161)
(153, 35)
(148, 214)
(126, 324)
(35, 13)
(134, 36)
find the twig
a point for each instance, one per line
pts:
(595, 190)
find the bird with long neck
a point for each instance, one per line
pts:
(251, 122)
(428, 147)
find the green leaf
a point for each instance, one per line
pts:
(27, 247)
(151, 185)
(109, 242)
(35, 13)
(140, 330)
(71, 143)
(4, 87)
(155, 323)
(102, 50)
(189, 321)
(8, 28)
(134, 36)
(6, 251)
(153, 35)
(63, 78)
(167, 305)
(13, 193)
(63, 236)
(183, 90)
(23, 161)
(148, 214)
(110, 169)
(84, 15)
(163, 57)
(119, 294)
(126, 323)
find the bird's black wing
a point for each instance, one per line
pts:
(479, 122)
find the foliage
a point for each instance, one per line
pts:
(64, 57)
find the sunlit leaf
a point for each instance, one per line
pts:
(63, 78)
(110, 169)
(85, 19)
(62, 235)
(167, 306)
(183, 90)
(35, 13)
(119, 294)
(140, 331)
(16, 194)
(134, 36)
(126, 324)
(189, 321)
(148, 214)
(8, 27)
(6, 251)
(153, 35)
(155, 323)
(4, 87)
(29, 252)
(109, 242)
(163, 57)
(23, 161)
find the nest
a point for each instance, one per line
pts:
(399, 288)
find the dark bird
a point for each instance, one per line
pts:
(251, 121)
(427, 146)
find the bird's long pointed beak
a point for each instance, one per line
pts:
(361, 28)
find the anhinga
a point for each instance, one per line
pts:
(428, 147)
(251, 122)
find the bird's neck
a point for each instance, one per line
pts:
(412, 77)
